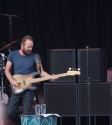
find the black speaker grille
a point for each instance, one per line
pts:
(97, 65)
(99, 98)
(61, 98)
(59, 61)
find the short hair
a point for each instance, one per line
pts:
(23, 40)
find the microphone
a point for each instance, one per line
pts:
(9, 15)
(3, 59)
(86, 46)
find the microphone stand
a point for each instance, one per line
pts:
(88, 88)
(2, 87)
(10, 21)
(9, 48)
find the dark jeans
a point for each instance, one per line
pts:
(15, 101)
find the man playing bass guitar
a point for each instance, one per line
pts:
(24, 64)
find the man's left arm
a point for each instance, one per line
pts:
(43, 74)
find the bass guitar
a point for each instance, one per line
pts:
(26, 81)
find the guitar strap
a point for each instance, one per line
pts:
(38, 93)
(36, 58)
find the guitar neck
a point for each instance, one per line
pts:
(47, 78)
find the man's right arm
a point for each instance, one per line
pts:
(9, 75)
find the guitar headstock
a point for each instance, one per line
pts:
(72, 72)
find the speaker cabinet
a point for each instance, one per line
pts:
(94, 63)
(99, 98)
(61, 98)
(59, 60)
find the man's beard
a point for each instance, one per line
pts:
(26, 52)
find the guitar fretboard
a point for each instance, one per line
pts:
(47, 78)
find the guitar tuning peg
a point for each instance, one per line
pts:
(78, 69)
(69, 69)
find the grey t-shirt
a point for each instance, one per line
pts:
(23, 65)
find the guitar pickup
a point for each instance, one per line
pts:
(24, 82)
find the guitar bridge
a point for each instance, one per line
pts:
(18, 91)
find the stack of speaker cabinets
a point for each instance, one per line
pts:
(68, 96)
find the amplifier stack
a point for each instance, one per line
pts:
(68, 95)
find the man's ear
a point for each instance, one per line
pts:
(22, 45)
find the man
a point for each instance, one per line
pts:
(24, 64)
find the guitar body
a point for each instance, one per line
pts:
(24, 81)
